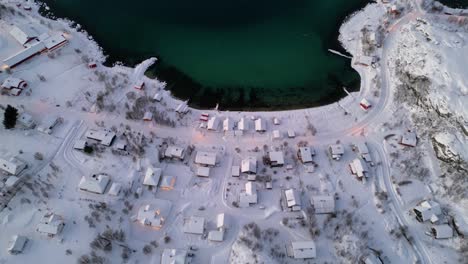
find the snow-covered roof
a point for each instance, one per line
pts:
(12, 82)
(24, 54)
(409, 139)
(276, 134)
(216, 235)
(115, 189)
(94, 183)
(167, 182)
(150, 215)
(235, 171)
(105, 137)
(24, 33)
(336, 150)
(54, 41)
(148, 116)
(12, 165)
(158, 97)
(243, 124)
(276, 121)
(442, 231)
(139, 84)
(250, 195)
(323, 204)
(174, 256)
(80, 144)
(427, 210)
(276, 158)
(249, 165)
(51, 224)
(303, 249)
(17, 244)
(11, 181)
(205, 158)
(175, 152)
(291, 134)
(221, 221)
(203, 171)
(213, 123)
(250, 188)
(260, 125)
(292, 197)
(152, 176)
(358, 168)
(306, 153)
(228, 124)
(194, 225)
(371, 259)
(182, 108)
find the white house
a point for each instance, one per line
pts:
(12, 165)
(213, 123)
(260, 125)
(194, 225)
(302, 250)
(427, 210)
(104, 137)
(174, 256)
(94, 183)
(174, 152)
(359, 168)
(249, 196)
(205, 158)
(17, 244)
(276, 158)
(12, 82)
(336, 151)
(293, 200)
(51, 224)
(323, 204)
(305, 154)
(249, 165)
(243, 124)
(150, 215)
(409, 139)
(442, 231)
(228, 124)
(152, 176)
(203, 171)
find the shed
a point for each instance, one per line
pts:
(152, 176)
(305, 154)
(205, 158)
(442, 231)
(323, 204)
(365, 104)
(409, 139)
(17, 244)
(276, 121)
(228, 124)
(203, 172)
(221, 221)
(260, 125)
(94, 183)
(276, 158)
(291, 134)
(182, 108)
(104, 137)
(213, 123)
(303, 249)
(115, 189)
(54, 42)
(194, 225)
(148, 116)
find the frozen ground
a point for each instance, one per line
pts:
(418, 82)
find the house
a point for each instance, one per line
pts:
(54, 42)
(174, 256)
(249, 165)
(228, 124)
(260, 125)
(293, 200)
(276, 134)
(216, 235)
(17, 244)
(302, 249)
(115, 189)
(251, 177)
(24, 55)
(364, 104)
(213, 123)
(427, 210)
(12, 182)
(26, 120)
(363, 151)
(205, 158)
(203, 172)
(48, 124)
(304, 154)
(269, 185)
(121, 146)
(194, 225)
(359, 168)
(182, 108)
(12, 165)
(158, 97)
(174, 152)
(24, 33)
(80, 144)
(291, 134)
(94, 183)
(167, 182)
(442, 231)
(221, 221)
(409, 139)
(51, 224)
(104, 137)
(152, 176)
(336, 151)
(323, 204)
(204, 117)
(11, 83)
(139, 85)
(249, 196)
(235, 171)
(276, 158)
(243, 124)
(276, 121)
(148, 116)
(149, 215)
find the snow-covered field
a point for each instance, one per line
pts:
(417, 82)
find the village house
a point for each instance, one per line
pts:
(104, 137)
(205, 158)
(249, 165)
(194, 225)
(305, 154)
(359, 168)
(152, 176)
(409, 139)
(174, 152)
(182, 108)
(139, 85)
(158, 97)
(276, 158)
(276, 134)
(96, 183)
(218, 234)
(291, 134)
(228, 124)
(115, 189)
(17, 244)
(427, 210)
(148, 116)
(174, 256)
(80, 144)
(213, 123)
(302, 250)
(249, 196)
(363, 151)
(12, 82)
(121, 146)
(51, 224)
(203, 171)
(260, 125)
(149, 215)
(243, 124)
(371, 259)
(323, 204)
(167, 182)
(235, 171)
(336, 151)
(12, 165)
(293, 200)
(24, 33)
(442, 231)
(53, 42)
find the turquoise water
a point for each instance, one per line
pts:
(242, 54)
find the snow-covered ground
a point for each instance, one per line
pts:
(418, 82)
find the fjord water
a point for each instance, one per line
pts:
(242, 54)
(455, 3)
